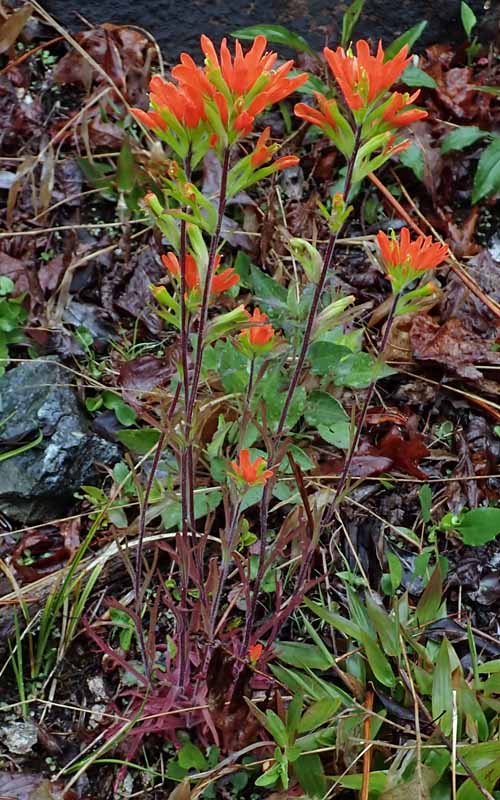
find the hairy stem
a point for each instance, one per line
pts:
(226, 560)
(362, 418)
(313, 312)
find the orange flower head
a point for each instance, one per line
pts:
(263, 151)
(251, 473)
(192, 277)
(404, 260)
(324, 118)
(184, 102)
(395, 113)
(151, 119)
(224, 281)
(246, 83)
(260, 334)
(255, 652)
(363, 77)
(285, 162)
(220, 282)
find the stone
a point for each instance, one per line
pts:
(38, 484)
(20, 737)
(319, 21)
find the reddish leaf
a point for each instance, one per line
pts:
(451, 345)
(43, 550)
(404, 453)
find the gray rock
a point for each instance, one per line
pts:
(20, 737)
(38, 485)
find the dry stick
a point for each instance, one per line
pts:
(214, 243)
(264, 506)
(367, 758)
(453, 262)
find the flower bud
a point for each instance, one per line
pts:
(308, 257)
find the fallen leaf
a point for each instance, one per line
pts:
(451, 345)
(13, 25)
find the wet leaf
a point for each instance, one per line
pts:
(409, 37)
(442, 689)
(277, 34)
(479, 526)
(451, 345)
(430, 602)
(461, 137)
(487, 177)
(13, 25)
(349, 20)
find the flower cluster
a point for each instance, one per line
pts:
(221, 282)
(218, 103)
(364, 80)
(405, 260)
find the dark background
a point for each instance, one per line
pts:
(177, 25)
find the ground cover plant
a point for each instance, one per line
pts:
(274, 288)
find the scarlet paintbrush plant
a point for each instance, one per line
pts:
(405, 260)
(214, 105)
(249, 472)
(364, 81)
(259, 337)
(221, 282)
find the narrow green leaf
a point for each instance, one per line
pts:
(318, 714)
(309, 772)
(409, 37)
(461, 137)
(277, 34)
(387, 628)
(430, 601)
(468, 18)
(414, 76)
(487, 177)
(300, 654)
(125, 169)
(442, 689)
(276, 728)
(349, 20)
(425, 499)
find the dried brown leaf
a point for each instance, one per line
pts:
(13, 25)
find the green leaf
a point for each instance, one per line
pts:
(468, 18)
(487, 177)
(461, 137)
(442, 689)
(495, 90)
(387, 628)
(430, 602)
(139, 440)
(413, 159)
(317, 714)
(125, 169)
(276, 728)
(409, 37)
(277, 34)
(325, 414)
(309, 772)
(302, 654)
(414, 76)
(271, 295)
(191, 757)
(425, 498)
(349, 20)
(310, 684)
(479, 526)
